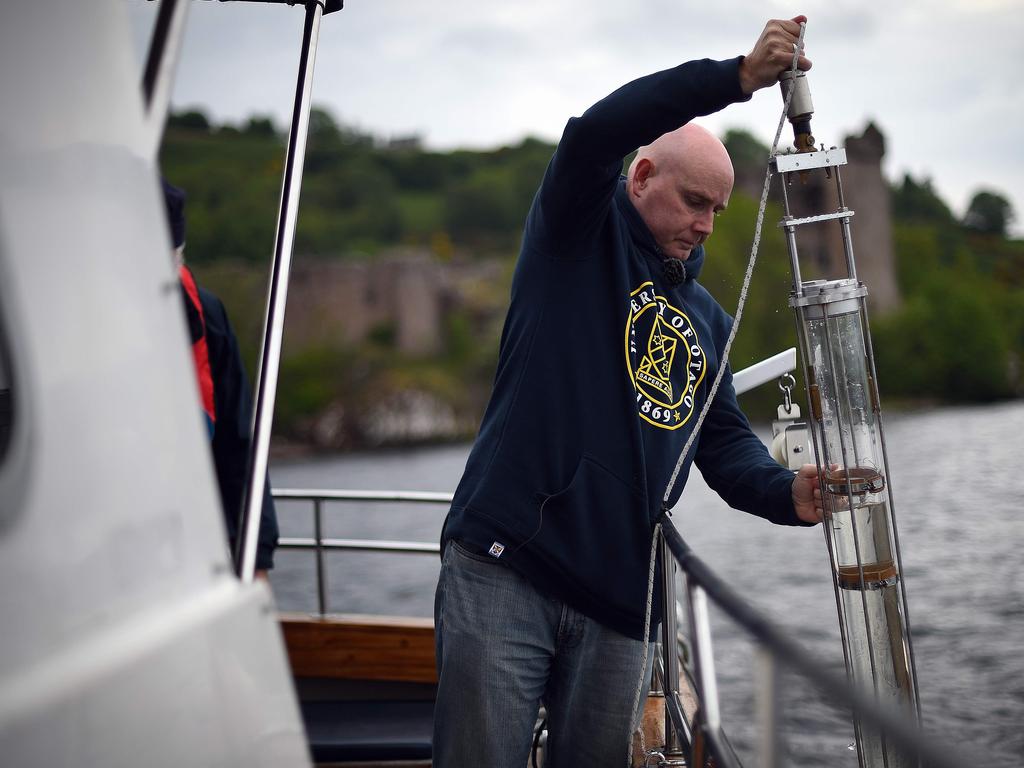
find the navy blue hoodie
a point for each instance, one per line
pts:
(603, 370)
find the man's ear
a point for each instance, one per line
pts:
(642, 171)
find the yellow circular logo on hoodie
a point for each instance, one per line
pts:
(665, 360)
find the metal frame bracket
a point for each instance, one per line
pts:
(805, 161)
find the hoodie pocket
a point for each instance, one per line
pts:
(596, 531)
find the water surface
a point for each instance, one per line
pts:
(957, 484)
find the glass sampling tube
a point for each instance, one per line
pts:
(859, 527)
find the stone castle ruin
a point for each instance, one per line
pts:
(867, 194)
(406, 296)
(403, 297)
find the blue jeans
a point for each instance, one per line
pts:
(502, 649)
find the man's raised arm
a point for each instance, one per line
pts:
(580, 181)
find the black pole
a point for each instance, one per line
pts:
(157, 46)
(277, 296)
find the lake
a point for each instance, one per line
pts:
(957, 484)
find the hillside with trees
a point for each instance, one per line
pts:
(958, 337)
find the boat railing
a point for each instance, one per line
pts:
(320, 544)
(744, 380)
(776, 651)
(688, 743)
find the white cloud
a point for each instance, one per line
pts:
(940, 79)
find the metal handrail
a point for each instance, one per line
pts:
(424, 497)
(778, 648)
(775, 647)
(764, 371)
(320, 544)
(359, 545)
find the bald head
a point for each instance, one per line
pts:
(678, 183)
(693, 150)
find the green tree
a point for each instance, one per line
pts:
(958, 337)
(916, 201)
(745, 150)
(192, 120)
(260, 125)
(946, 343)
(323, 129)
(989, 213)
(483, 209)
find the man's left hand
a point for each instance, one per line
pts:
(772, 54)
(807, 495)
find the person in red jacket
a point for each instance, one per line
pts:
(224, 392)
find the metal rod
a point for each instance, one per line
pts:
(700, 628)
(669, 642)
(907, 636)
(839, 191)
(673, 705)
(851, 266)
(321, 585)
(361, 545)
(721, 750)
(768, 701)
(767, 370)
(794, 259)
(158, 72)
(847, 233)
(787, 212)
(270, 356)
(818, 443)
(422, 497)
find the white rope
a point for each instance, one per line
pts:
(797, 48)
(746, 282)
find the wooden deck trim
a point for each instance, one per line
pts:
(356, 647)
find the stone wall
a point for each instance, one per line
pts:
(402, 296)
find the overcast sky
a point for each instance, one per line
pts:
(941, 78)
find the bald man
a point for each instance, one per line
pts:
(607, 355)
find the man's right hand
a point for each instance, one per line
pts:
(772, 54)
